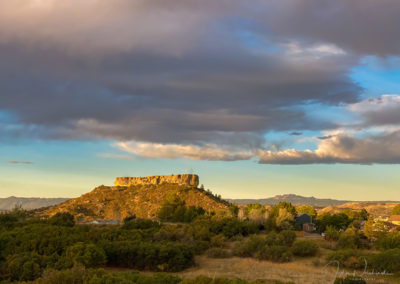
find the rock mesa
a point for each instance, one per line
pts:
(185, 179)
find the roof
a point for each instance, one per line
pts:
(394, 218)
(302, 214)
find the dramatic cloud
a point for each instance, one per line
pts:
(384, 110)
(174, 151)
(187, 78)
(382, 149)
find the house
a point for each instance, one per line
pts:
(308, 227)
(395, 220)
(381, 218)
(101, 222)
(304, 219)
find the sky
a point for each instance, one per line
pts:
(258, 98)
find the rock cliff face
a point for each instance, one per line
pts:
(185, 179)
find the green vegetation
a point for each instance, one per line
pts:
(308, 209)
(175, 210)
(57, 250)
(304, 248)
(274, 246)
(396, 210)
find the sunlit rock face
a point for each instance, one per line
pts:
(185, 179)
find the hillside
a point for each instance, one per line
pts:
(373, 208)
(28, 203)
(292, 198)
(143, 200)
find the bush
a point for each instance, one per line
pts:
(249, 247)
(389, 241)
(23, 267)
(331, 233)
(286, 237)
(88, 255)
(348, 258)
(62, 219)
(80, 275)
(388, 260)
(218, 241)
(174, 210)
(162, 256)
(304, 248)
(140, 224)
(218, 253)
(349, 240)
(275, 253)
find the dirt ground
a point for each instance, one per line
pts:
(302, 271)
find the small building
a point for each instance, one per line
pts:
(301, 220)
(308, 227)
(102, 222)
(395, 220)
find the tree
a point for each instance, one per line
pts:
(331, 233)
(308, 209)
(284, 219)
(396, 210)
(304, 248)
(62, 219)
(88, 255)
(256, 212)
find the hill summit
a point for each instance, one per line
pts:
(140, 196)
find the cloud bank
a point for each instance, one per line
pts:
(195, 79)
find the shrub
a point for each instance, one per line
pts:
(388, 260)
(347, 257)
(162, 256)
(218, 241)
(331, 233)
(218, 253)
(80, 275)
(275, 253)
(249, 247)
(396, 210)
(140, 224)
(88, 255)
(23, 267)
(348, 241)
(271, 239)
(304, 248)
(62, 219)
(389, 241)
(286, 237)
(174, 210)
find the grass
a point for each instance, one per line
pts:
(300, 271)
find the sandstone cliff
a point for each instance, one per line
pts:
(185, 179)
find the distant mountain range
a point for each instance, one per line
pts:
(302, 200)
(28, 203)
(292, 198)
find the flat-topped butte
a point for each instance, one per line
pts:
(183, 179)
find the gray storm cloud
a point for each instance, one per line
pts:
(185, 73)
